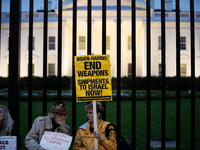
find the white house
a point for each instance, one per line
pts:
(111, 39)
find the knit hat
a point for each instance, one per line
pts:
(59, 108)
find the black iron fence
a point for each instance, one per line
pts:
(14, 63)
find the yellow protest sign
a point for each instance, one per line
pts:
(93, 78)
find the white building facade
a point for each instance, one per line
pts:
(111, 39)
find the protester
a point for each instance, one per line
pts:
(8, 127)
(85, 136)
(54, 122)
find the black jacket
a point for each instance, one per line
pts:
(15, 132)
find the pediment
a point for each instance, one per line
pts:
(51, 56)
(198, 57)
(34, 56)
(6, 56)
(159, 56)
(184, 56)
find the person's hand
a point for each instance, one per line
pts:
(98, 135)
(93, 148)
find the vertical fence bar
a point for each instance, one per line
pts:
(14, 59)
(103, 26)
(0, 33)
(89, 7)
(30, 49)
(133, 75)
(59, 48)
(118, 67)
(148, 74)
(89, 27)
(178, 75)
(192, 74)
(104, 44)
(73, 73)
(163, 51)
(45, 57)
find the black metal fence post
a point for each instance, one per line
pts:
(178, 75)
(73, 72)
(14, 59)
(59, 49)
(0, 32)
(89, 27)
(30, 65)
(118, 67)
(163, 52)
(148, 30)
(104, 44)
(133, 18)
(45, 57)
(192, 74)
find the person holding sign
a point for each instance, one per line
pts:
(84, 139)
(54, 122)
(8, 127)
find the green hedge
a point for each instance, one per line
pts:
(52, 83)
(156, 83)
(126, 83)
(3, 83)
(139, 96)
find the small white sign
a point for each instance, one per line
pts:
(54, 140)
(8, 142)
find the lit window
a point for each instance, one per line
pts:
(51, 69)
(51, 42)
(107, 42)
(129, 42)
(33, 43)
(82, 42)
(182, 43)
(129, 70)
(159, 69)
(183, 70)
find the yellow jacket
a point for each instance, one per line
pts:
(84, 138)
